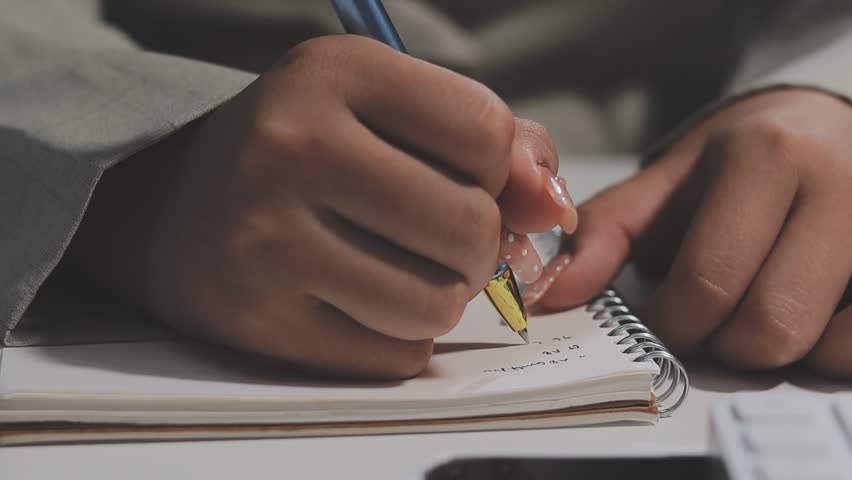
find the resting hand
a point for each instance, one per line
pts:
(750, 217)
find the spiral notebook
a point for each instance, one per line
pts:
(592, 364)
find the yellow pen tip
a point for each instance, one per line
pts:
(505, 295)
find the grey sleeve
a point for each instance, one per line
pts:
(75, 98)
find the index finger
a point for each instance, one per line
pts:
(449, 119)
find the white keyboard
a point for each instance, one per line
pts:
(770, 436)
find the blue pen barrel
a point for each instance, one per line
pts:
(368, 18)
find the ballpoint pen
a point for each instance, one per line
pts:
(369, 18)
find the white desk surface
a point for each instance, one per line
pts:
(405, 456)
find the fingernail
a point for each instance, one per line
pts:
(564, 184)
(517, 251)
(559, 191)
(537, 289)
(568, 222)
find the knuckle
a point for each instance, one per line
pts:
(251, 237)
(769, 130)
(408, 360)
(255, 236)
(711, 276)
(330, 59)
(274, 142)
(492, 223)
(496, 131)
(320, 67)
(773, 337)
(776, 138)
(498, 123)
(327, 47)
(476, 233)
(447, 306)
(778, 339)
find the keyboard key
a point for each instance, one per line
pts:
(779, 440)
(779, 469)
(784, 436)
(843, 409)
(772, 410)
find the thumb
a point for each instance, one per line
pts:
(609, 223)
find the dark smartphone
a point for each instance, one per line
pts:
(650, 468)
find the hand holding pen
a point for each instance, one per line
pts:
(369, 18)
(338, 214)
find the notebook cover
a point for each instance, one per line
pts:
(59, 432)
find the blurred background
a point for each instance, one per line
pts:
(609, 76)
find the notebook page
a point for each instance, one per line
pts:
(481, 358)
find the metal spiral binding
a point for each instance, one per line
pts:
(671, 385)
